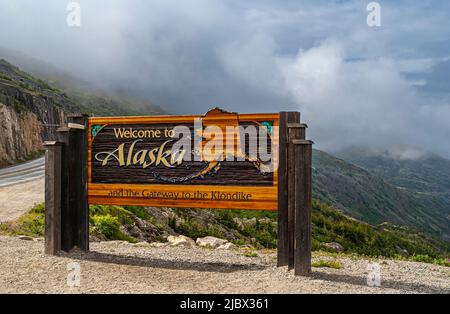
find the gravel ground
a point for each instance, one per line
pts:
(118, 267)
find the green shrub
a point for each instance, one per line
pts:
(38, 209)
(442, 261)
(193, 229)
(124, 216)
(139, 211)
(330, 264)
(30, 224)
(107, 225)
(265, 233)
(4, 77)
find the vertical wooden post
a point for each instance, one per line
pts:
(303, 206)
(74, 208)
(296, 131)
(283, 235)
(81, 169)
(53, 174)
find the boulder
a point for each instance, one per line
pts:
(180, 240)
(238, 222)
(334, 246)
(211, 242)
(227, 246)
(249, 221)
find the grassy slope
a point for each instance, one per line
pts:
(370, 198)
(329, 225)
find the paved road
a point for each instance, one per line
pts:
(21, 173)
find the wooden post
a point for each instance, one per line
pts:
(74, 207)
(296, 131)
(303, 206)
(53, 174)
(283, 235)
(79, 124)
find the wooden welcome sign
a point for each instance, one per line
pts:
(217, 160)
(131, 161)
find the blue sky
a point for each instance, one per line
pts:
(354, 84)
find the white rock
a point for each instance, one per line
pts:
(180, 240)
(337, 247)
(238, 222)
(27, 238)
(227, 246)
(211, 242)
(248, 221)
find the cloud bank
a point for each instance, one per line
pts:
(355, 85)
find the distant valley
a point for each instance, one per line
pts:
(371, 191)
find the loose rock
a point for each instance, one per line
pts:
(180, 240)
(211, 242)
(334, 246)
(227, 246)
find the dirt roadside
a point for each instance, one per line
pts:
(19, 198)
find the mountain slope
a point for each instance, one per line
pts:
(369, 198)
(91, 98)
(424, 173)
(31, 109)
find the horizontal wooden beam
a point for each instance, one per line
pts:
(302, 142)
(77, 126)
(297, 125)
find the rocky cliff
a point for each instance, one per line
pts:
(29, 112)
(21, 135)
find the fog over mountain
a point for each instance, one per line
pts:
(354, 84)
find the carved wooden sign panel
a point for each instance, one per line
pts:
(218, 160)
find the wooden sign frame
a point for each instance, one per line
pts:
(70, 188)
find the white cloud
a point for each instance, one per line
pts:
(350, 81)
(366, 102)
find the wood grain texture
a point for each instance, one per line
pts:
(74, 206)
(283, 178)
(303, 207)
(295, 131)
(233, 177)
(53, 169)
